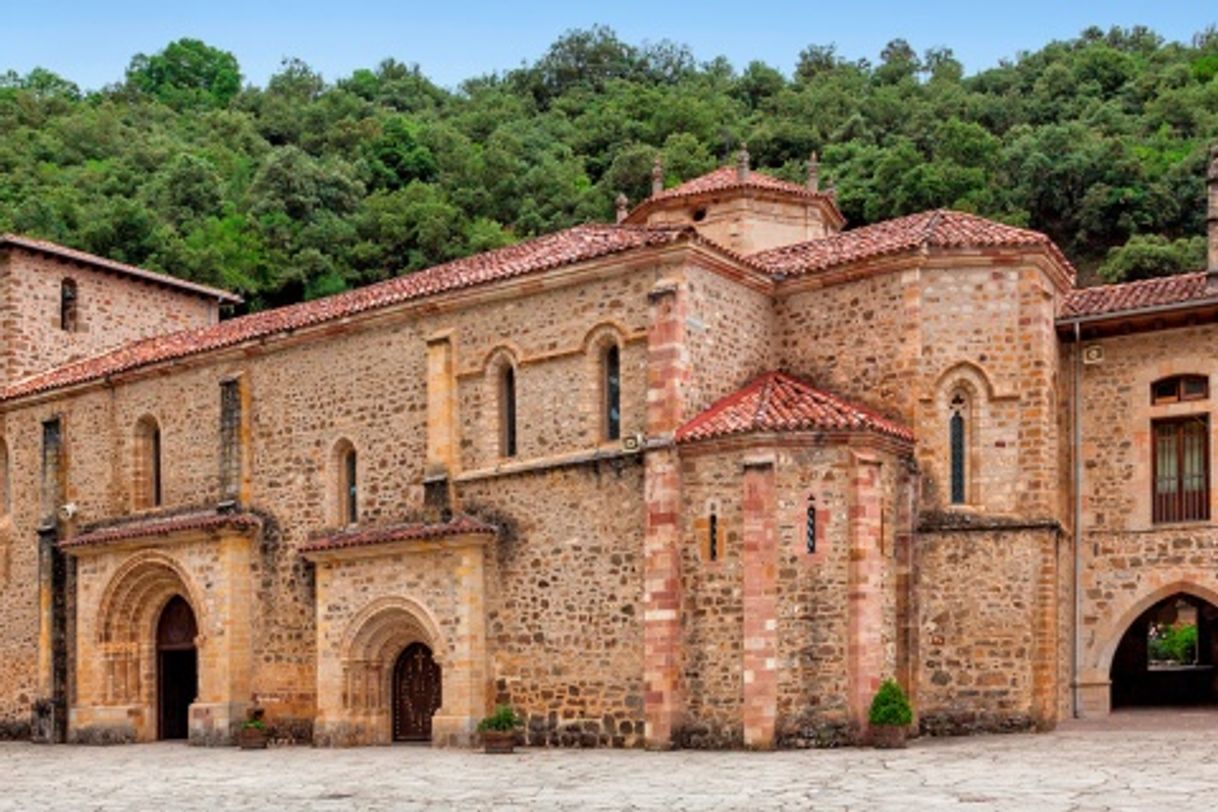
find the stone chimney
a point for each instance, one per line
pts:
(657, 177)
(813, 173)
(1211, 214)
(742, 163)
(623, 206)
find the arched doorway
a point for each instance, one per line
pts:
(416, 693)
(177, 668)
(1167, 656)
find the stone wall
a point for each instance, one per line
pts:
(988, 604)
(857, 338)
(112, 309)
(728, 333)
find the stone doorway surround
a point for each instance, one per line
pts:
(379, 590)
(126, 573)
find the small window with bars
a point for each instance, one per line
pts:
(810, 525)
(1181, 469)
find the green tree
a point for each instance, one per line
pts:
(188, 73)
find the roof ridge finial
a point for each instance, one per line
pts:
(657, 175)
(813, 172)
(742, 162)
(622, 204)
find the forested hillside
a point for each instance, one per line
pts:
(309, 186)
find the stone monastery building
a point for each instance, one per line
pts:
(702, 478)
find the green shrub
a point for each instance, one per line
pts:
(503, 719)
(1176, 644)
(890, 707)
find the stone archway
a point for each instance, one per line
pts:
(1095, 685)
(126, 575)
(121, 683)
(375, 642)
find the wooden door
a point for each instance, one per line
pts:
(177, 668)
(416, 693)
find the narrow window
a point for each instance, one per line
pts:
(956, 430)
(230, 440)
(348, 496)
(67, 305)
(507, 411)
(52, 466)
(1181, 469)
(147, 469)
(1179, 388)
(712, 532)
(810, 526)
(6, 502)
(611, 388)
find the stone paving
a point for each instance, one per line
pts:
(1134, 766)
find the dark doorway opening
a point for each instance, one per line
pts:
(1167, 656)
(416, 693)
(177, 668)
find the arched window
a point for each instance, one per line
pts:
(347, 490)
(1179, 388)
(958, 448)
(810, 525)
(712, 536)
(68, 305)
(147, 469)
(611, 393)
(507, 411)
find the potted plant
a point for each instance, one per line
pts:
(499, 730)
(253, 735)
(890, 716)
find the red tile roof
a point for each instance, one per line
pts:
(1162, 291)
(777, 402)
(727, 178)
(938, 228)
(413, 531)
(551, 251)
(63, 252)
(163, 525)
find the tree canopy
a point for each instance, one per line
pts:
(306, 187)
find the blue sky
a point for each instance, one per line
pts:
(92, 42)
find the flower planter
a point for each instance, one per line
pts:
(252, 738)
(888, 737)
(499, 741)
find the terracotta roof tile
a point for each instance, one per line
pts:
(938, 228)
(162, 525)
(45, 247)
(727, 178)
(1165, 290)
(551, 251)
(413, 531)
(777, 402)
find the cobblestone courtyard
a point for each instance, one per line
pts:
(1148, 763)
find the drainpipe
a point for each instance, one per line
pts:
(1077, 441)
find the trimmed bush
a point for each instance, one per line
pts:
(890, 706)
(502, 720)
